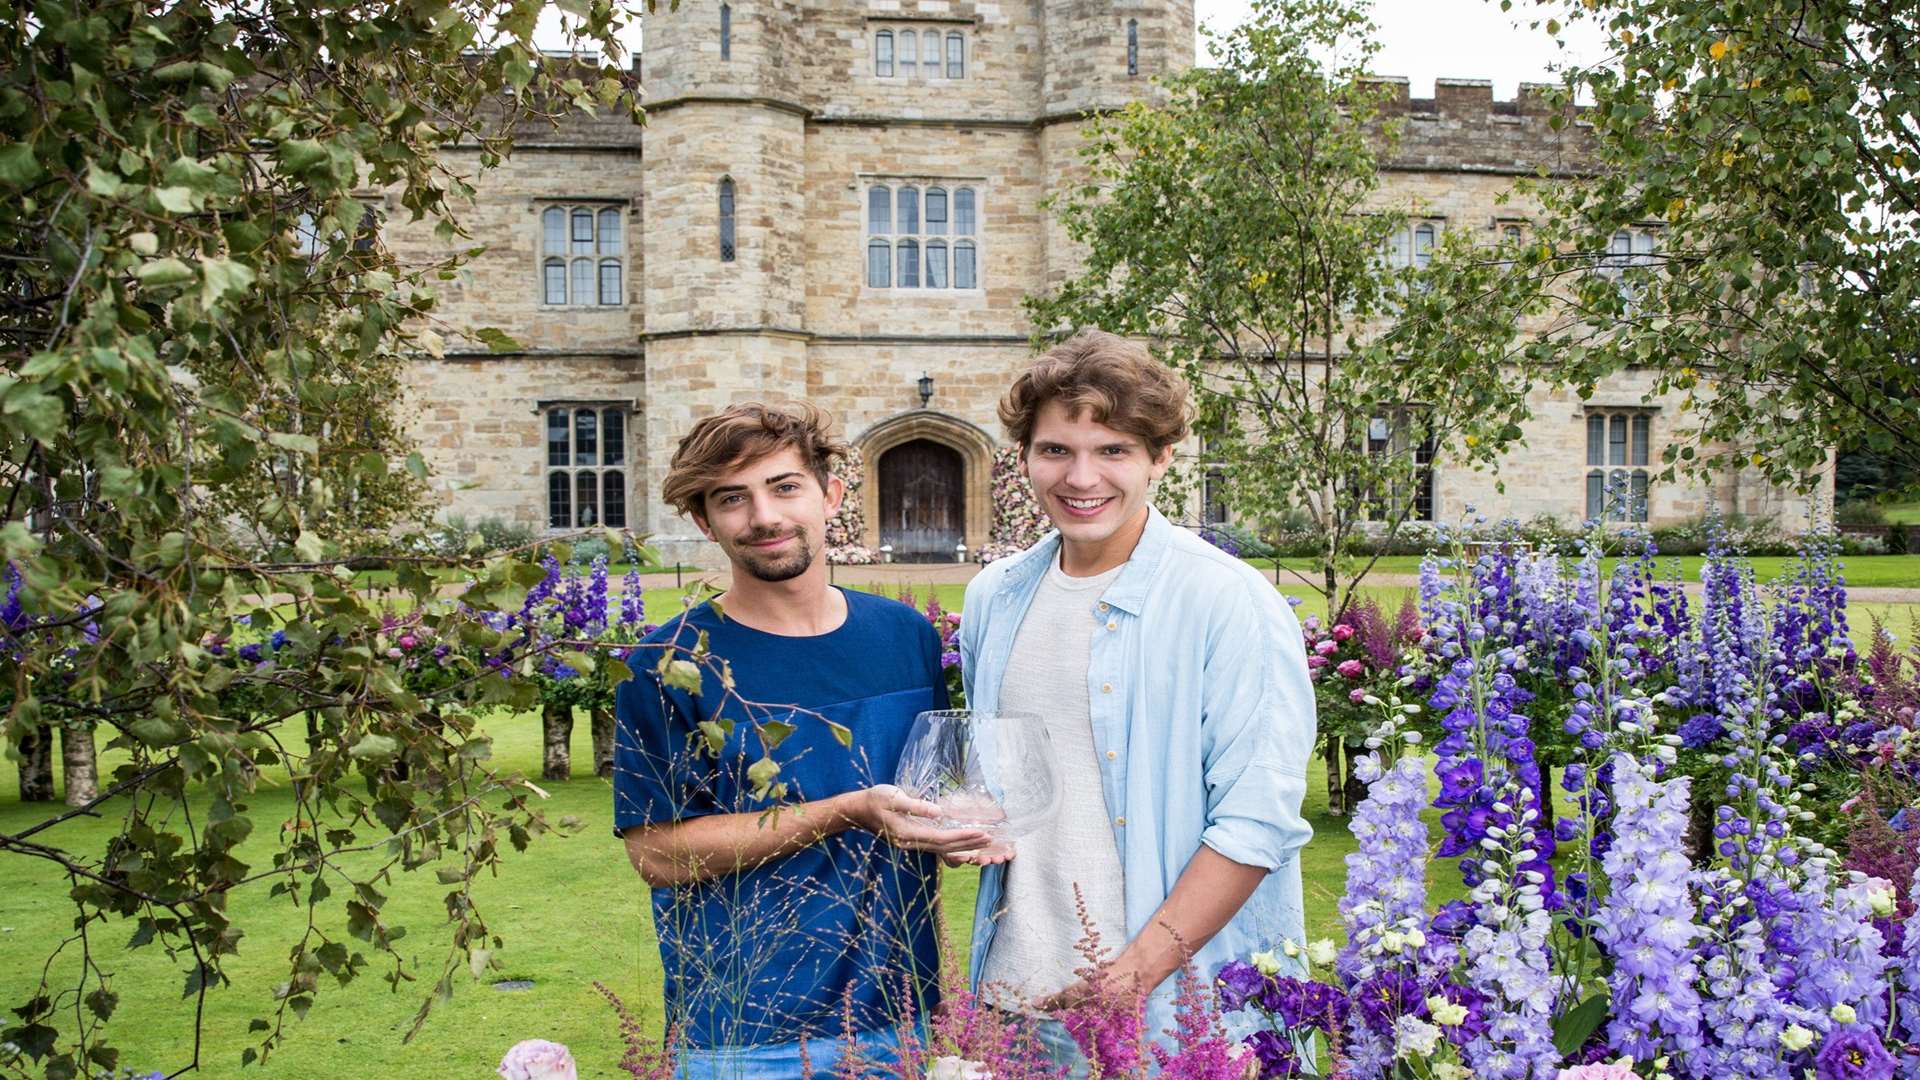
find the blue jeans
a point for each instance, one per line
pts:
(879, 1049)
(1060, 1047)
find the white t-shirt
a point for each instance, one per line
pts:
(1035, 948)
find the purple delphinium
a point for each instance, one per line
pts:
(633, 599)
(1908, 994)
(1506, 954)
(1835, 958)
(1386, 875)
(1647, 924)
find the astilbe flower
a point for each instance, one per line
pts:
(1648, 922)
(1201, 1050)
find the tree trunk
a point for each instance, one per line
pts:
(1336, 791)
(556, 724)
(36, 766)
(1546, 799)
(602, 742)
(78, 763)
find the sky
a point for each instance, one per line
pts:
(1453, 39)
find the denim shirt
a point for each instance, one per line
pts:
(1203, 723)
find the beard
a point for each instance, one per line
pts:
(782, 567)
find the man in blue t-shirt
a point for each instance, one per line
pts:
(786, 937)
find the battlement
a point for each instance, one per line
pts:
(1462, 128)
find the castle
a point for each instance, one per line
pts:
(842, 202)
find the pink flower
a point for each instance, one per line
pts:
(1316, 662)
(1614, 1071)
(408, 641)
(1342, 632)
(1350, 668)
(1326, 647)
(538, 1059)
(395, 653)
(1356, 695)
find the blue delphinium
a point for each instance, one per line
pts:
(1648, 921)
(1836, 948)
(1386, 875)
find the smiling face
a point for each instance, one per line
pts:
(770, 515)
(1092, 481)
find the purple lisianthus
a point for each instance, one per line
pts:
(1853, 1052)
(1275, 1053)
(1388, 996)
(1238, 981)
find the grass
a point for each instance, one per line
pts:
(570, 908)
(1903, 513)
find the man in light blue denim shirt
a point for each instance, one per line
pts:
(1196, 715)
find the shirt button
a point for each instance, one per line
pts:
(1106, 688)
(1103, 605)
(1119, 821)
(1111, 754)
(1111, 625)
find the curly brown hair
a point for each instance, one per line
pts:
(1116, 380)
(747, 432)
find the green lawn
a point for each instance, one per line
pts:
(570, 908)
(1903, 513)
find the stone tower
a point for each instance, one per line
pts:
(1099, 55)
(725, 124)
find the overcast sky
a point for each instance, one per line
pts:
(1453, 39)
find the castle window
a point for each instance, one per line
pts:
(1133, 46)
(1405, 433)
(912, 54)
(909, 54)
(907, 230)
(581, 256)
(726, 32)
(883, 54)
(1619, 447)
(930, 54)
(586, 466)
(726, 220)
(1629, 254)
(956, 56)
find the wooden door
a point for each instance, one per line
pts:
(922, 501)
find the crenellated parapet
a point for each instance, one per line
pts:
(1462, 128)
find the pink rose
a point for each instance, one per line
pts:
(538, 1059)
(1316, 662)
(408, 641)
(1614, 1071)
(1356, 695)
(1342, 632)
(395, 653)
(1326, 647)
(1350, 668)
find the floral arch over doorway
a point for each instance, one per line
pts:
(974, 446)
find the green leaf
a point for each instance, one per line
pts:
(496, 340)
(417, 466)
(160, 272)
(374, 748)
(774, 732)
(175, 200)
(39, 412)
(1573, 1029)
(680, 674)
(309, 546)
(224, 278)
(841, 733)
(299, 155)
(299, 444)
(17, 165)
(762, 773)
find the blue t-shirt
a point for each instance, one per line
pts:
(842, 928)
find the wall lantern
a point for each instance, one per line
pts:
(926, 389)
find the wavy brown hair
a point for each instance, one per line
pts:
(1114, 379)
(747, 432)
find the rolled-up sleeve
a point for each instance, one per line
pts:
(1257, 730)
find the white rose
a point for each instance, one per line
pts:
(956, 1068)
(1446, 1012)
(1796, 1037)
(1882, 902)
(1842, 1013)
(1265, 962)
(1323, 952)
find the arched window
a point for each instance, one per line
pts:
(1422, 246)
(936, 264)
(581, 249)
(726, 31)
(610, 281)
(963, 270)
(609, 231)
(909, 274)
(553, 230)
(879, 209)
(956, 56)
(963, 223)
(726, 220)
(930, 54)
(909, 54)
(553, 282)
(583, 233)
(883, 54)
(1133, 46)
(909, 218)
(580, 287)
(879, 263)
(936, 211)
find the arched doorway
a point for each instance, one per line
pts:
(922, 501)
